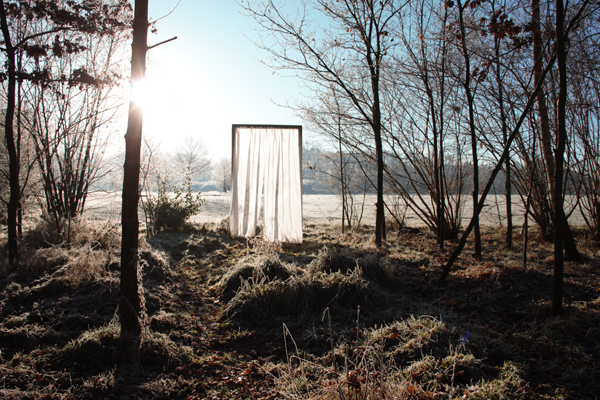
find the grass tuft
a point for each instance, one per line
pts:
(367, 368)
(259, 268)
(158, 350)
(270, 289)
(344, 261)
(100, 345)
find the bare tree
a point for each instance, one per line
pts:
(499, 67)
(222, 173)
(420, 139)
(348, 56)
(544, 119)
(563, 238)
(503, 29)
(469, 88)
(559, 211)
(191, 158)
(49, 21)
(70, 123)
(330, 119)
(584, 120)
(26, 154)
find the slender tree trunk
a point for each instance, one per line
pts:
(508, 195)
(442, 212)
(560, 221)
(437, 194)
(507, 181)
(342, 178)
(545, 135)
(526, 226)
(437, 180)
(442, 217)
(527, 208)
(9, 134)
(569, 245)
(19, 110)
(130, 304)
(380, 234)
(469, 93)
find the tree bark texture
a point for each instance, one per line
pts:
(374, 68)
(550, 158)
(561, 139)
(545, 135)
(473, 133)
(13, 158)
(507, 180)
(131, 303)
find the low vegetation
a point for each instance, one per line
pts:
(332, 318)
(172, 205)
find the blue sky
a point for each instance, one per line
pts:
(210, 77)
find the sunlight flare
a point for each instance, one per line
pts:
(139, 93)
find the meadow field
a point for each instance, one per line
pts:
(326, 208)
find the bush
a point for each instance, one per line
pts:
(173, 205)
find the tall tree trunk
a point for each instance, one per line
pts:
(9, 134)
(561, 139)
(545, 135)
(437, 195)
(130, 304)
(380, 234)
(525, 228)
(507, 181)
(19, 111)
(569, 245)
(473, 133)
(508, 195)
(442, 214)
(436, 178)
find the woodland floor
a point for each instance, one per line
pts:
(332, 318)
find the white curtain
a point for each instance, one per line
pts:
(266, 162)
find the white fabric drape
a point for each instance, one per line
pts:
(266, 161)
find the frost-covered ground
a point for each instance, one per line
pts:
(323, 208)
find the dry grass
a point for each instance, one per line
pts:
(359, 322)
(404, 360)
(265, 287)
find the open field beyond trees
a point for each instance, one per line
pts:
(321, 208)
(332, 318)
